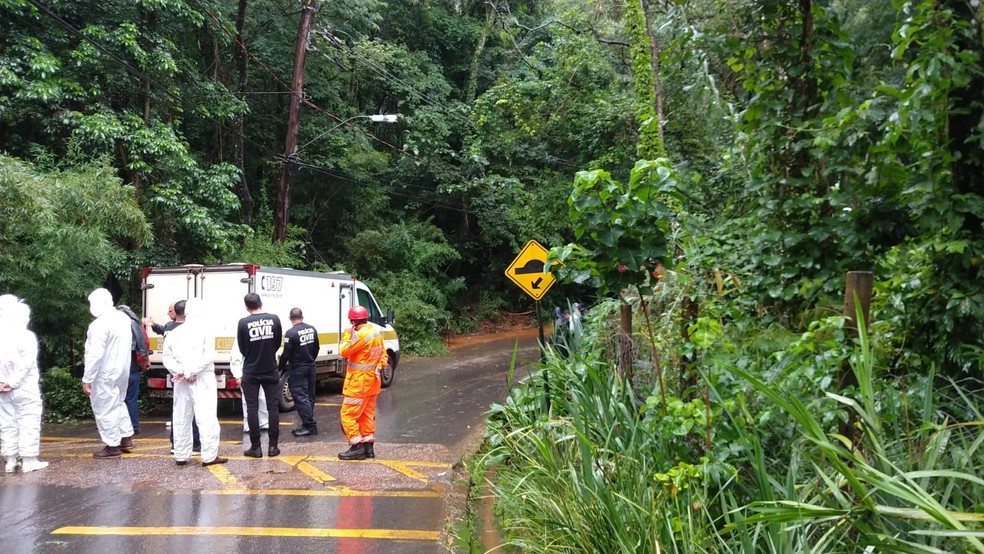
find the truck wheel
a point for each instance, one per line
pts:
(386, 375)
(286, 401)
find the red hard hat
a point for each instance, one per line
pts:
(357, 313)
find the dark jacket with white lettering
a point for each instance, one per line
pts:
(259, 336)
(300, 347)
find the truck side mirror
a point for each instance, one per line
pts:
(390, 316)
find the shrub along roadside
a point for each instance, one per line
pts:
(64, 402)
(62, 396)
(599, 470)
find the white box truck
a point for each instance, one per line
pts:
(324, 298)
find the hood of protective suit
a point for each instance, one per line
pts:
(194, 311)
(14, 313)
(196, 321)
(6, 301)
(100, 302)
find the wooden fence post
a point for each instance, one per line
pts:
(860, 283)
(625, 350)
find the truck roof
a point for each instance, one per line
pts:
(252, 269)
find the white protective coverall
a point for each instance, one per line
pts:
(188, 354)
(107, 367)
(20, 407)
(236, 368)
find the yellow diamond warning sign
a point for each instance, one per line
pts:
(527, 270)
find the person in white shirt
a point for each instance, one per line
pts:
(20, 393)
(107, 373)
(188, 356)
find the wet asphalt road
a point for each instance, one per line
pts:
(305, 500)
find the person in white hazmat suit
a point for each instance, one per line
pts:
(188, 354)
(20, 394)
(107, 373)
(236, 368)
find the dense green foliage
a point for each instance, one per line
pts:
(716, 164)
(64, 401)
(61, 230)
(756, 463)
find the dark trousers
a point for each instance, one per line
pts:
(132, 399)
(251, 384)
(302, 388)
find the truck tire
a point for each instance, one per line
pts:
(387, 374)
(286, 401)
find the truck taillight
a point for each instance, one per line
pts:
(232, 383)
(156, 382)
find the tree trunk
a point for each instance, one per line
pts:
(289, 164)
(472, 87)
(239, 124)
(644, 81)
(655, 51)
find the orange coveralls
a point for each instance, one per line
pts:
(366, 356)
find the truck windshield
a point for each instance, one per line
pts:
(369, 303)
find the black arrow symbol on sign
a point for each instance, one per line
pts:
(536, 284)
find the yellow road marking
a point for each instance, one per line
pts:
(396, 534)
(135, 452)
(66, 440)
(50, 448)
(229, 482)
(150, 448)
(404, 469)
(331, 491)
(302, 465)
(336, 404)
(221, 422)
(402, 466)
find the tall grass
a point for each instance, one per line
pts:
(593, 470)
(580, 478)
(896, 488)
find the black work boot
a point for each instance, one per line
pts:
(369, 452)
(254, 453)
(107, 452)
(126, 443)
(355, 452)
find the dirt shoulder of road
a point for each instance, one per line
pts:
(471, 524)
(508, 325)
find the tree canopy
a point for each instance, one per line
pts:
(798, 140)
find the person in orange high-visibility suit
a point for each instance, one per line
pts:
(362, 347)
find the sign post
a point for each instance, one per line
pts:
(528, 272)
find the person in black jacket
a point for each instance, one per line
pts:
(139, 358)
(258, 338)
(300, 351)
